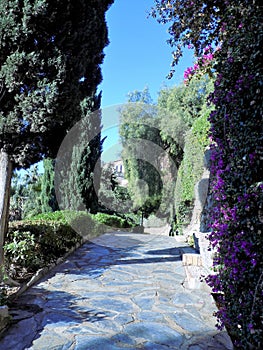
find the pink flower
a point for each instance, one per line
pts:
(188, 72)
(208, 48)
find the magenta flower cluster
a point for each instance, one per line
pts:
(202, 63)
(236, 186)
(236, 218)
(236, 230)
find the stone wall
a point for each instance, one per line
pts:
(201, 195)
(199, 226)
(206, 252)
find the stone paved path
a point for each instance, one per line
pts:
(122, 291)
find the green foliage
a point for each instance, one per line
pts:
(190, 171)
(147, 129)
(143, 96)
(37, 243)
(79, 171)
(201, 130)
(113, 198)
(178, 108)
(82, 222)
(184, 125)
(25, 198)
(50, 216)
(21, 251)
(112, 220)
(71, 217)
(139, 133)
(184, 102)
(46, 48)
(48, 197)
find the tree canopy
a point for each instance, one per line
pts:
(153, 139)
(49, 63)
(139, 130)
(50, 59)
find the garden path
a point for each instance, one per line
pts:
(120, 291)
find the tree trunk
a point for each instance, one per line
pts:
(5, 185)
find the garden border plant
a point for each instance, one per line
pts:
(37, 242)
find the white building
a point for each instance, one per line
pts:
(118, 168)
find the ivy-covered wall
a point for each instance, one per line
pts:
(190, 171)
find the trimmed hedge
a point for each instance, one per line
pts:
(40, 241)
(99, 218)
(113, 220)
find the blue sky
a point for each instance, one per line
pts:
(138, 56)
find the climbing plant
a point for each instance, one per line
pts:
(226, 37)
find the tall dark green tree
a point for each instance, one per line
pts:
(77, 171)
(48, 196)
(88, 166)
(50, 59)
(139, 131)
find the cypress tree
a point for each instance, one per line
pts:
(50, 57)
(48, 197)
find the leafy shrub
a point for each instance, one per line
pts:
(51, 216)
(112, 220)
(36, 243)
(85, 224)
(82, 222)
(21, 250)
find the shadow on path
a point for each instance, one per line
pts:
(76, 307)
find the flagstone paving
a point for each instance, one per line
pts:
(120, 291)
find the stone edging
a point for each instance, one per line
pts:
(194, 269)
(5, 317)
(44, 270)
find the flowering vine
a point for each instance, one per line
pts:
(236, 220)
(203, 65)
(236, 227)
